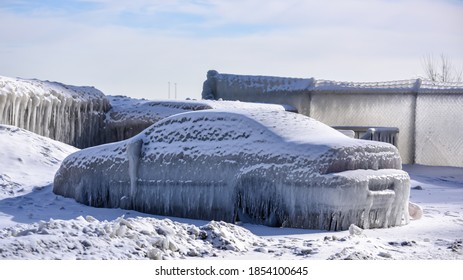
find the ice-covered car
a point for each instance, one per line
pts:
(269, 167)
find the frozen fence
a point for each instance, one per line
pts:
(427, 114)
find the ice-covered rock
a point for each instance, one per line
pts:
(262, 166)
(415, 211)
(355, 230)
(70, 114)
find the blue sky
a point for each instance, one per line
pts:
(137, 47)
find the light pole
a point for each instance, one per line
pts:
(175, 90)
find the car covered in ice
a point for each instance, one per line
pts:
(260, 166)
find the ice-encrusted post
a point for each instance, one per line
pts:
(133, 155)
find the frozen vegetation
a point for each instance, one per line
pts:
(269, 167)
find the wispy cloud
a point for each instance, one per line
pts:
(136, 47)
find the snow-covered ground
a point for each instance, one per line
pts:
(37, 224)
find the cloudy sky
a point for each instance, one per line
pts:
(137, 47)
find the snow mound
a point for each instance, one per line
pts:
(70, 114)
(261, 166)
(122, 238)
(28, 159)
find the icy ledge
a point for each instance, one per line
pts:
(262, 166)
(237, 85)
(70, 114)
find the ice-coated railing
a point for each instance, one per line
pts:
(391, 86)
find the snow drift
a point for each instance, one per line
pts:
(69, 114)
(122, 238)
(27, 160)
(262, 166)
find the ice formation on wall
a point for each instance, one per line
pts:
(263, 166)
(70, 114)
(425, 112)
(265, 89)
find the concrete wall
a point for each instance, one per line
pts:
(429, 115)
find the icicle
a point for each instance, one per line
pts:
(73, 115)
(133, 155)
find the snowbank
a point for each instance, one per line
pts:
(123, 238)
(262, 166)
(27, 160)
